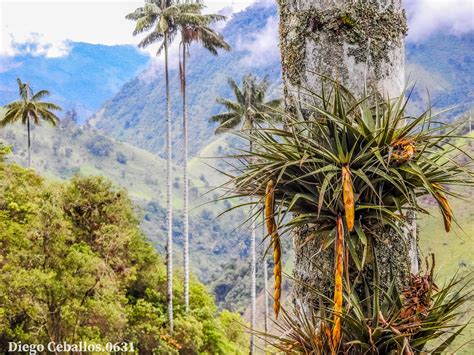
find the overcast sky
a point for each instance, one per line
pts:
(50, 23)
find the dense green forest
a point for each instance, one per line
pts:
(76, 266)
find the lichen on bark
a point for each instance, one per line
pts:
(360, 44)
(314, 264)
(363, 27)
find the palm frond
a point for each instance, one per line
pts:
(30, 107)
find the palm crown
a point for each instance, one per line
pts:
(250, 106)
(30, 107)
(163, 19)
(194, 27)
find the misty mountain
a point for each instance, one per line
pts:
(135, 114)
(84, 79)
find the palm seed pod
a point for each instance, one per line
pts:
(348, 197)
(273, 232)
(336, 331)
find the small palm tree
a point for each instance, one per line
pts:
(249, 109)
(193, 28)
(30, 108)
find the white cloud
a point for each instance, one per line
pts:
(426, 17)
(263, 47)
(36, 44)
(51, 23)
(43, 27)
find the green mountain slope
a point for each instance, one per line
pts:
(135, 113)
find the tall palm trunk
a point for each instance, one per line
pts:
(169, 201)
(185, 181)
(265, 280)
(253, 312)
(28, 127)
(360, 44)
(253, 290)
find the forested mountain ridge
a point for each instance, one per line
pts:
(134, 114)
(62, 152)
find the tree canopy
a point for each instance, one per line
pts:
(74, 266)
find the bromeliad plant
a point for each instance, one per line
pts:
(383, 322)
(351, 169)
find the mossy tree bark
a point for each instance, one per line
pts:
(360, 44)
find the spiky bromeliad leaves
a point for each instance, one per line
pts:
(366, 162)
(379, 323)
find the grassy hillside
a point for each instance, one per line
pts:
(453, 251)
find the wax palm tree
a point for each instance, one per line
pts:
(249, 109)
(194, 28)
(30, 108)
(158, 17)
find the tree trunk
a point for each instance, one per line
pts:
(361, 45)
(185, 182)
(253, 286)
(28, 127)
(265, 279)
(253, 311)
(169, 202)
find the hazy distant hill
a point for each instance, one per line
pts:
(85, 78)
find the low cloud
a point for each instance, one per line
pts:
(426, 17)
(37, 45)
(262, 47)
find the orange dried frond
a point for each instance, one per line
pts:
(336, 331)
(277, 273)
(444, 206)
(348, 197)
(269, 220)
(273, 232)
